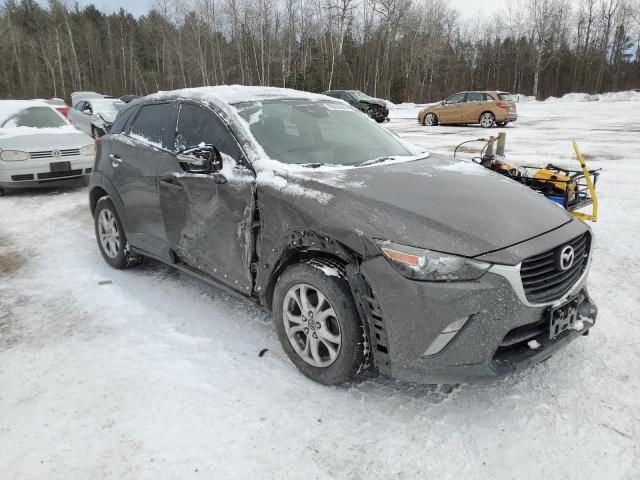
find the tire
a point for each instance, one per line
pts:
(487, 120)
(430, 120)
(342, 346)
(110, 236)
(502, 124)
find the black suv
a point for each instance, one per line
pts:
(373, 107)
(368, 251)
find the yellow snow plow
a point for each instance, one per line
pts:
(572, 189)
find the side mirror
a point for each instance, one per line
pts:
(202, 159)
(443, 102)
(87, 111)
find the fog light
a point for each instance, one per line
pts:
(445, 337)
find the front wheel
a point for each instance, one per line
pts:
(318, 323)
(487, 120)
(430, 120)
(111, 238)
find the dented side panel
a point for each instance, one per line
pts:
(209, 225)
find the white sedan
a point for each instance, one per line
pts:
(95, 115)
(40, 148)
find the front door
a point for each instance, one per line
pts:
(451, 111)
(135, 156)
(208, 217)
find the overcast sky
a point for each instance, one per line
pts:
(469, 8)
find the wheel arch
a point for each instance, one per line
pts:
(306, 245)
(487, 111)
(101, 186)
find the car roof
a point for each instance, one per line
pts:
(233, 94)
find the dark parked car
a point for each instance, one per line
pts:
(369, 253)
(374, 107)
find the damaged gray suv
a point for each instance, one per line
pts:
(373, 255)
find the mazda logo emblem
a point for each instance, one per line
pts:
(567, 257)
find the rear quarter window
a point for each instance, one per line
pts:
(122, 119)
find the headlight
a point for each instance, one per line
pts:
(14, 155)
(88, 150)
(430, 266)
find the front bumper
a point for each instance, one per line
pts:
(415, 314)
(38, 174)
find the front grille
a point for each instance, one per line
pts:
(68, 173)
(544, 281)
(22, 178)
(72, 152)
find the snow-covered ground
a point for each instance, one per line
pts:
(148, 374)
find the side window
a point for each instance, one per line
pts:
(454, 99)
(78, 106)
(346, 97)
(486, 97)
(197, 125)
(155, 124)
(122, 119)
(475, 97)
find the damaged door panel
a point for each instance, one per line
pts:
(208, 217)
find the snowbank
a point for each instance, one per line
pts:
(629, 95)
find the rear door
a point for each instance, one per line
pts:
(451, 111)
(476, 103)
(208, 217)
(135, 157)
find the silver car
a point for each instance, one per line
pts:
(40, 148)
(95, 116)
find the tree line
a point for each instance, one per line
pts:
(402, 50)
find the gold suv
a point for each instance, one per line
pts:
(486, 108)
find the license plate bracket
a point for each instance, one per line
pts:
(59, 167)
(563, 318)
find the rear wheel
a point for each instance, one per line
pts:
(111, 238)
(487, 120)
(430, 120)
(318, 323)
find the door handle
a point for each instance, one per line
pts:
(171, 184)
(115, 160)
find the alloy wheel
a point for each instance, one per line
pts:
(108, 233)
(430, 120)
(487, 120)
(311, 325)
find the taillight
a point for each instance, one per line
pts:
(502, 104)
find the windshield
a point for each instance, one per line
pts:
(359, 95)
(109, 108)
(34, 117)
(327, 133)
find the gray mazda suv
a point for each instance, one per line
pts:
(372, 255)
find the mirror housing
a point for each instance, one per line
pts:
(443, 102)
(203, 159)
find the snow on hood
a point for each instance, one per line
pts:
(34, 139)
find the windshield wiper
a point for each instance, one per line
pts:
(373, 161)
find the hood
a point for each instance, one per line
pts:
(374, 101)
(36, 139)
(437, 203)
(109, 116)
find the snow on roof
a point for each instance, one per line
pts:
(232, 94)
(10, 107)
